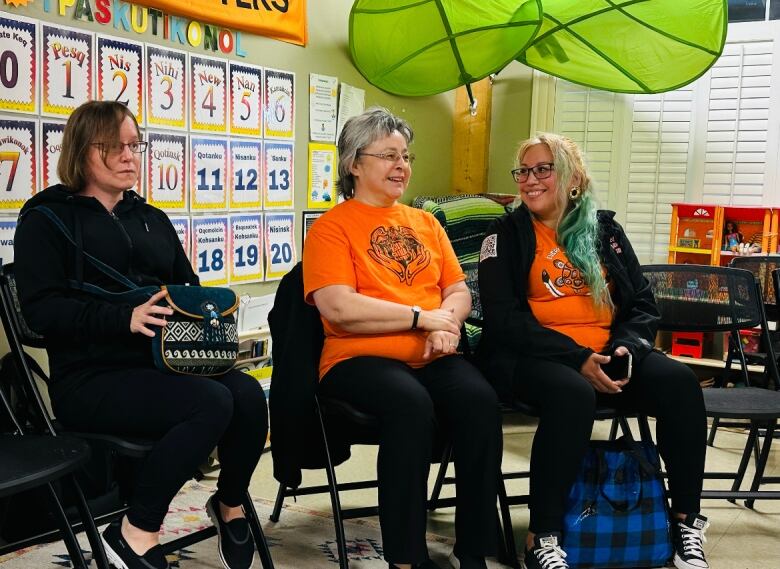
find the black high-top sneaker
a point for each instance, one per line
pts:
(688, 537)
(546, 553)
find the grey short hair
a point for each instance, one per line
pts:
(359, 132)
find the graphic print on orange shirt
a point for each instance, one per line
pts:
(568, 276)
(400, 250)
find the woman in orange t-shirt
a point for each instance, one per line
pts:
(562, 295)
(392, 298)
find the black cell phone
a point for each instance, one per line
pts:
(619, 367)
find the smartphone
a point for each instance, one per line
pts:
(619, 367)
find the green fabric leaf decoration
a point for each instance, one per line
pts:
(424, 47)
(629, 46)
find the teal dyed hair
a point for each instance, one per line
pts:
(577, 228)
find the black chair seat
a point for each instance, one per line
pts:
(602, 413)
(125, 446)
(753, 403)
(30, 461)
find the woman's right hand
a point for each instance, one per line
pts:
(439, 319)
(145, 315)
(591, 370)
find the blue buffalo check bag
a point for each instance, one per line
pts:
(617, 514)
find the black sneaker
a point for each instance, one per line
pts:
(688, 537)
(122, 556)
(236, 546)
(547, 553)
(461, 560)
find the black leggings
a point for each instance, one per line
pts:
(408, 403)
(188, 416)
(566, 402)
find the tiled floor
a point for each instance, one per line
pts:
(738, 538)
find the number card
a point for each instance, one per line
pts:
(166, 171)
(7, 230)
(120, 73)
(279, 98)
(51, 148)
(17, 162)
(166, 81)
(67, 69)
(208, 174)
(18, 56)
(246, 99)
(279, 244)
(278, 187)
(246, 166)
(208, 94)
(322, 190)
(246, 262)
(209, 249)
(181, 223)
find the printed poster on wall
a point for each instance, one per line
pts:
(7, 230)
(279, 100)
(18, 58)
(67, 69)
(51, 148)
(279, 238)
(246, 99)
(278, 188)
(246, 167)
(209, 175)
(181, 223)
(209, 249)
(17, 162)
(208, 94)
(166, 171)
(120, 73)
(322, 163)
(322, 107)
(246, 261)
(166, 87)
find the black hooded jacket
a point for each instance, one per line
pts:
(85, 334)
(510, 329)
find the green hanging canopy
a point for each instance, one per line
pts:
(629, 46)
(424, 47)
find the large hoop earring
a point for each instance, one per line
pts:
(574, 193)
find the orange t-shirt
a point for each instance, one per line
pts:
(398, 253)
(559, 297)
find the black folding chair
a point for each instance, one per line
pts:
(20, 335)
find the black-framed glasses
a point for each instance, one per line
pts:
(136, 147)
(541, 172)
(391, 156)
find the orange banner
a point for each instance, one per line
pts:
(279, 19)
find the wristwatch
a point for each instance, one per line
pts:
(416, 311)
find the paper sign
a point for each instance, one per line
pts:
(18, 58)
(120, 73)
(279, 98)
(166, 171)
(246, 167)
(351, 103)
(17, 162)
(181, 223)
(51, 148)
(322, 107)
(309, 217)
(209, 176)
(166, 81)
(279, 186)
(208, 94)
(246, 262)
(246, 99)
(7, 231)
(322, 163)
(209, 249)
(67, 69)
(280, 255)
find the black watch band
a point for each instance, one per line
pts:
(416, 311)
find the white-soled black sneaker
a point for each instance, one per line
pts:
(688, 537)
(546, 553)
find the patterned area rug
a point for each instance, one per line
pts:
(300, 539)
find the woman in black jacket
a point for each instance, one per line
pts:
(103, 378)
(563, 296)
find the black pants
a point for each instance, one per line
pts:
(408, 404)
(566, 402)
(188, 416)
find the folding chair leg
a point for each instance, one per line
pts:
(98, 553)
(644, 429)
(278, 504)
(713, 430)
(613, 429)
(257, 533)
(761, 466)
(743, 463)
(71, 543)
(437, 485)
(508, 540)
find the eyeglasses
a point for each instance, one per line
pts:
(541, 172)
(137, 147)
(391, 156)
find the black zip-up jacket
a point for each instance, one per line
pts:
(510, 329)
(85, 334)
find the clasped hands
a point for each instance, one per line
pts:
(591, 370)
(443, 329)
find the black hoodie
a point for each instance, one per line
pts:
(84, 334)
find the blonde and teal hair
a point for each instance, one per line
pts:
(577, 226)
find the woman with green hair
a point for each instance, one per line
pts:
(564, 300)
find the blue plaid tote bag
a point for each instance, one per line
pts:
(617, 513)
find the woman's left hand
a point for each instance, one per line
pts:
(440, 342)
